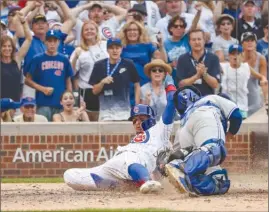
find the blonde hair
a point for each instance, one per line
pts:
(6, 117)
(209, 4)
(83, 42)
(143, 38)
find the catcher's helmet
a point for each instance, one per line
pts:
(142, 109)
(184, 97)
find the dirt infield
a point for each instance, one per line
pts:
(247, 193)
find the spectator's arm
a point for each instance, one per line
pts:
(69, 84)
(263, 72)
(27, 42)
(120, 13)
(160, 54)
(137, 92)
(211, 81)
(57, 118)
(41, 8)
(196, 18)
(85, 117)
(188, 81)
(29, 81)
(31, 15)
(30, 6)
(219, 7)
(220, 55)
(265, 8)
(69, 19)
(74, 58)
(78, 9)
(97, 88)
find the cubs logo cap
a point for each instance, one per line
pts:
(28, 101)
(7, 104)
(235, 47)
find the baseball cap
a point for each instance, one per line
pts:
(52, 24)
(52, 33)
(235, 47)
(39, 17)
(249, 1)
(3, 22)
(139, 8)
(7, 104)
(28, 101)
(113, 41)
(225, 17)
(248, 36)
(13, 9)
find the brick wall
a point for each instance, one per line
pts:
(56, 147)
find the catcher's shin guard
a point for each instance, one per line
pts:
(177, 178)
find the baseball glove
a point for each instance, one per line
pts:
(167, 155)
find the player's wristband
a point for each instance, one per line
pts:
(170, 88)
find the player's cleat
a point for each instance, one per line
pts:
(177, 178)
(151, 186)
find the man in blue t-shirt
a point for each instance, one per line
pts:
(111, 80)
(262, 44)
(50, 75)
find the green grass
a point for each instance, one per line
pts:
(32, 180)
(108, 210)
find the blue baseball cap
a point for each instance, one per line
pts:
(235, 47)
(113, 41)
(28, 101)
(53, 33)
(7, 104)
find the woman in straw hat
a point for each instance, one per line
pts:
(153, 92)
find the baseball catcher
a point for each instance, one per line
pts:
(135, 161)
(199, 148)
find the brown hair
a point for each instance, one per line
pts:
(83, 43)
(194, 31)
(173, 21)
(4, 39)
(61, 98)
(143, 38)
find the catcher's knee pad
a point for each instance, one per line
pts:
(211, 153)
(215, 183)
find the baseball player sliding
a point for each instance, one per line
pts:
(199, 148)
(135, 161)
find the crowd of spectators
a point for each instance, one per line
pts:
(81, 60)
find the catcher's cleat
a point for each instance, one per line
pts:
(151, 186)
(177, 178)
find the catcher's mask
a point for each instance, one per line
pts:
(184, 97)
(142, 109)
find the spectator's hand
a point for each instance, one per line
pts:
(20, 16)
(159, 39)
(108, 80)
(198, 6)
(39, 3)
(174, 64)
(47, 91)
(201, 69)
(263, 81)
(229, 136)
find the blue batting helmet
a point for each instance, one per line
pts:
(184, 97)
(142, 109)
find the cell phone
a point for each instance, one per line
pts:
(76, 94)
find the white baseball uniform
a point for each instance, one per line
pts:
(141, 150)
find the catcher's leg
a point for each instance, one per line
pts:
(188, 175)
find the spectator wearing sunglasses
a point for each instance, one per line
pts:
(153, 92)
(225, 25)
(28, 109)
(178, 44)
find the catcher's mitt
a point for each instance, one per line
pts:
(167, 155)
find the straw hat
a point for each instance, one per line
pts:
(159, 63)
(225, 16)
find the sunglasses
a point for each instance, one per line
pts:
(140, 119)
(179, 26)
(157, 70)
(225, 23)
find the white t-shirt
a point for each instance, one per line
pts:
(38, 118)
(163, 23)
(221, 44)
(235, 82)
(86, 60)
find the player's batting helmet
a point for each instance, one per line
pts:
(186, 96)
(142, 109)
